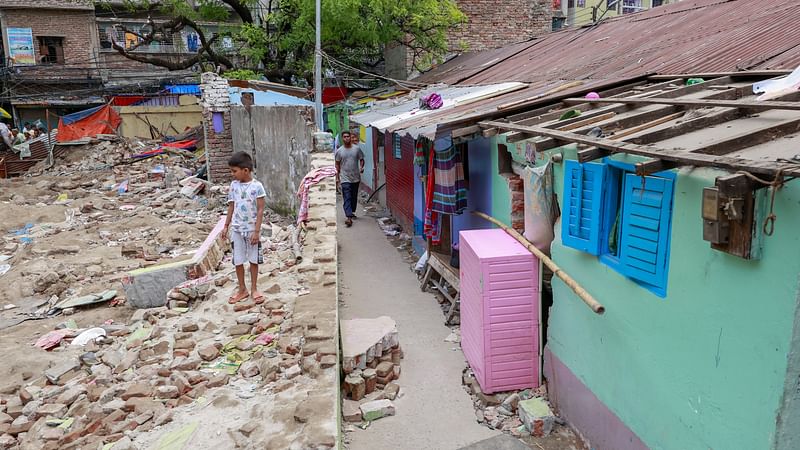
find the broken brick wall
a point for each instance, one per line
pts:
(217, 126)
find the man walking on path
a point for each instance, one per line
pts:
(349, 167)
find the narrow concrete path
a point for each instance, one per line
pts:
(434, 411)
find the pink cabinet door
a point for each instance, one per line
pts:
(499, 310)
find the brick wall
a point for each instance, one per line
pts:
(516, 187)
(493, 24)
(87, 5)
(76, 27)
(219, 145)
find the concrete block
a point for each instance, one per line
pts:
(537, 416)
(377, 409)
(148, 287)
(351, 411)
(364, 339)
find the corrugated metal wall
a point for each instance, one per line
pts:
(400, 181)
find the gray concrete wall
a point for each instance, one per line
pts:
(280, 140)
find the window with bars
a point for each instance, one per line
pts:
(51, 50)
(398, 148)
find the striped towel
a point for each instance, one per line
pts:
(449, 191)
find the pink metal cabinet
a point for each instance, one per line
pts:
(499, 310)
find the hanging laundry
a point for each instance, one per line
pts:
(419, 155)
(541, 210)
(450, 190)
(433, 220)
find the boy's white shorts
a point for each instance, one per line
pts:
(244, 251)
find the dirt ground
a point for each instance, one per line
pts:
(78, 241)
(69, 230)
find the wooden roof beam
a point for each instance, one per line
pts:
(651, 166)
(750, 138)
(692, 103)
(679, 156)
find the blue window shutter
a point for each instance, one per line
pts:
(645, 231)
(583, 202)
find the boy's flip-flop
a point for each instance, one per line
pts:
(348, 222)
(259, 299)
(236, 298)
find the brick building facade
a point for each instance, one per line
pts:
(493, 24)
(490, 24)
(70, 23)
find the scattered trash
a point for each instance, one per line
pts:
(177, 440)
(87, 300)
(9, 306)
(52, 339)
(122, 187)
(453, 337)
(4, 268)
(88, 336)
(62, 198)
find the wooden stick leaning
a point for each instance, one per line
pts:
(585, 296)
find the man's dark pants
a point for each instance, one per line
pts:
(350, 198)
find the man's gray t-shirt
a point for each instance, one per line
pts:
(349, 158)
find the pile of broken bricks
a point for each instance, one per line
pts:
(518, 413)
(371, 357)
(130, 378)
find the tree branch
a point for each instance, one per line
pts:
(172, 26)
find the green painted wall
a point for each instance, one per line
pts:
(705, 367)
(501, 195)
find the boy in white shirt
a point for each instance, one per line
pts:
(246, 201)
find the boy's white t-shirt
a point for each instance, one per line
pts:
(245, 209)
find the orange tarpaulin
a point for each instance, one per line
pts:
(103, 121)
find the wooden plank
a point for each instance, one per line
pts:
(586, 121)
(651, 166)
(749, 73)
(751, 138)
(466, 131)
(591, 154)
(688, 125)
(679, 156)
(647, 125)
(443, 268)
(692, 103)
(740, 241)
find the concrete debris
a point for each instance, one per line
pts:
(537, 416)
(508, 411)
(377, 409)
(132, 372)
(364, 341)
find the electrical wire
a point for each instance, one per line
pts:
(402, 83)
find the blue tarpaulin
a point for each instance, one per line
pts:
(190, 89)
(74, 117)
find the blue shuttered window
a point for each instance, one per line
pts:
(644, 234)
(583, 190)
(623, 218)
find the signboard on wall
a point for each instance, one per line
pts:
(20, 46)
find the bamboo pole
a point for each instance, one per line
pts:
(585, 296)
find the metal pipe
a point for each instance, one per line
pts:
(318, 69)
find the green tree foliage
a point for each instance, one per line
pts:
(357, 31)
(281, 43)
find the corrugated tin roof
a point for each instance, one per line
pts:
(682, 38)
(686, 37)
(387, 114)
